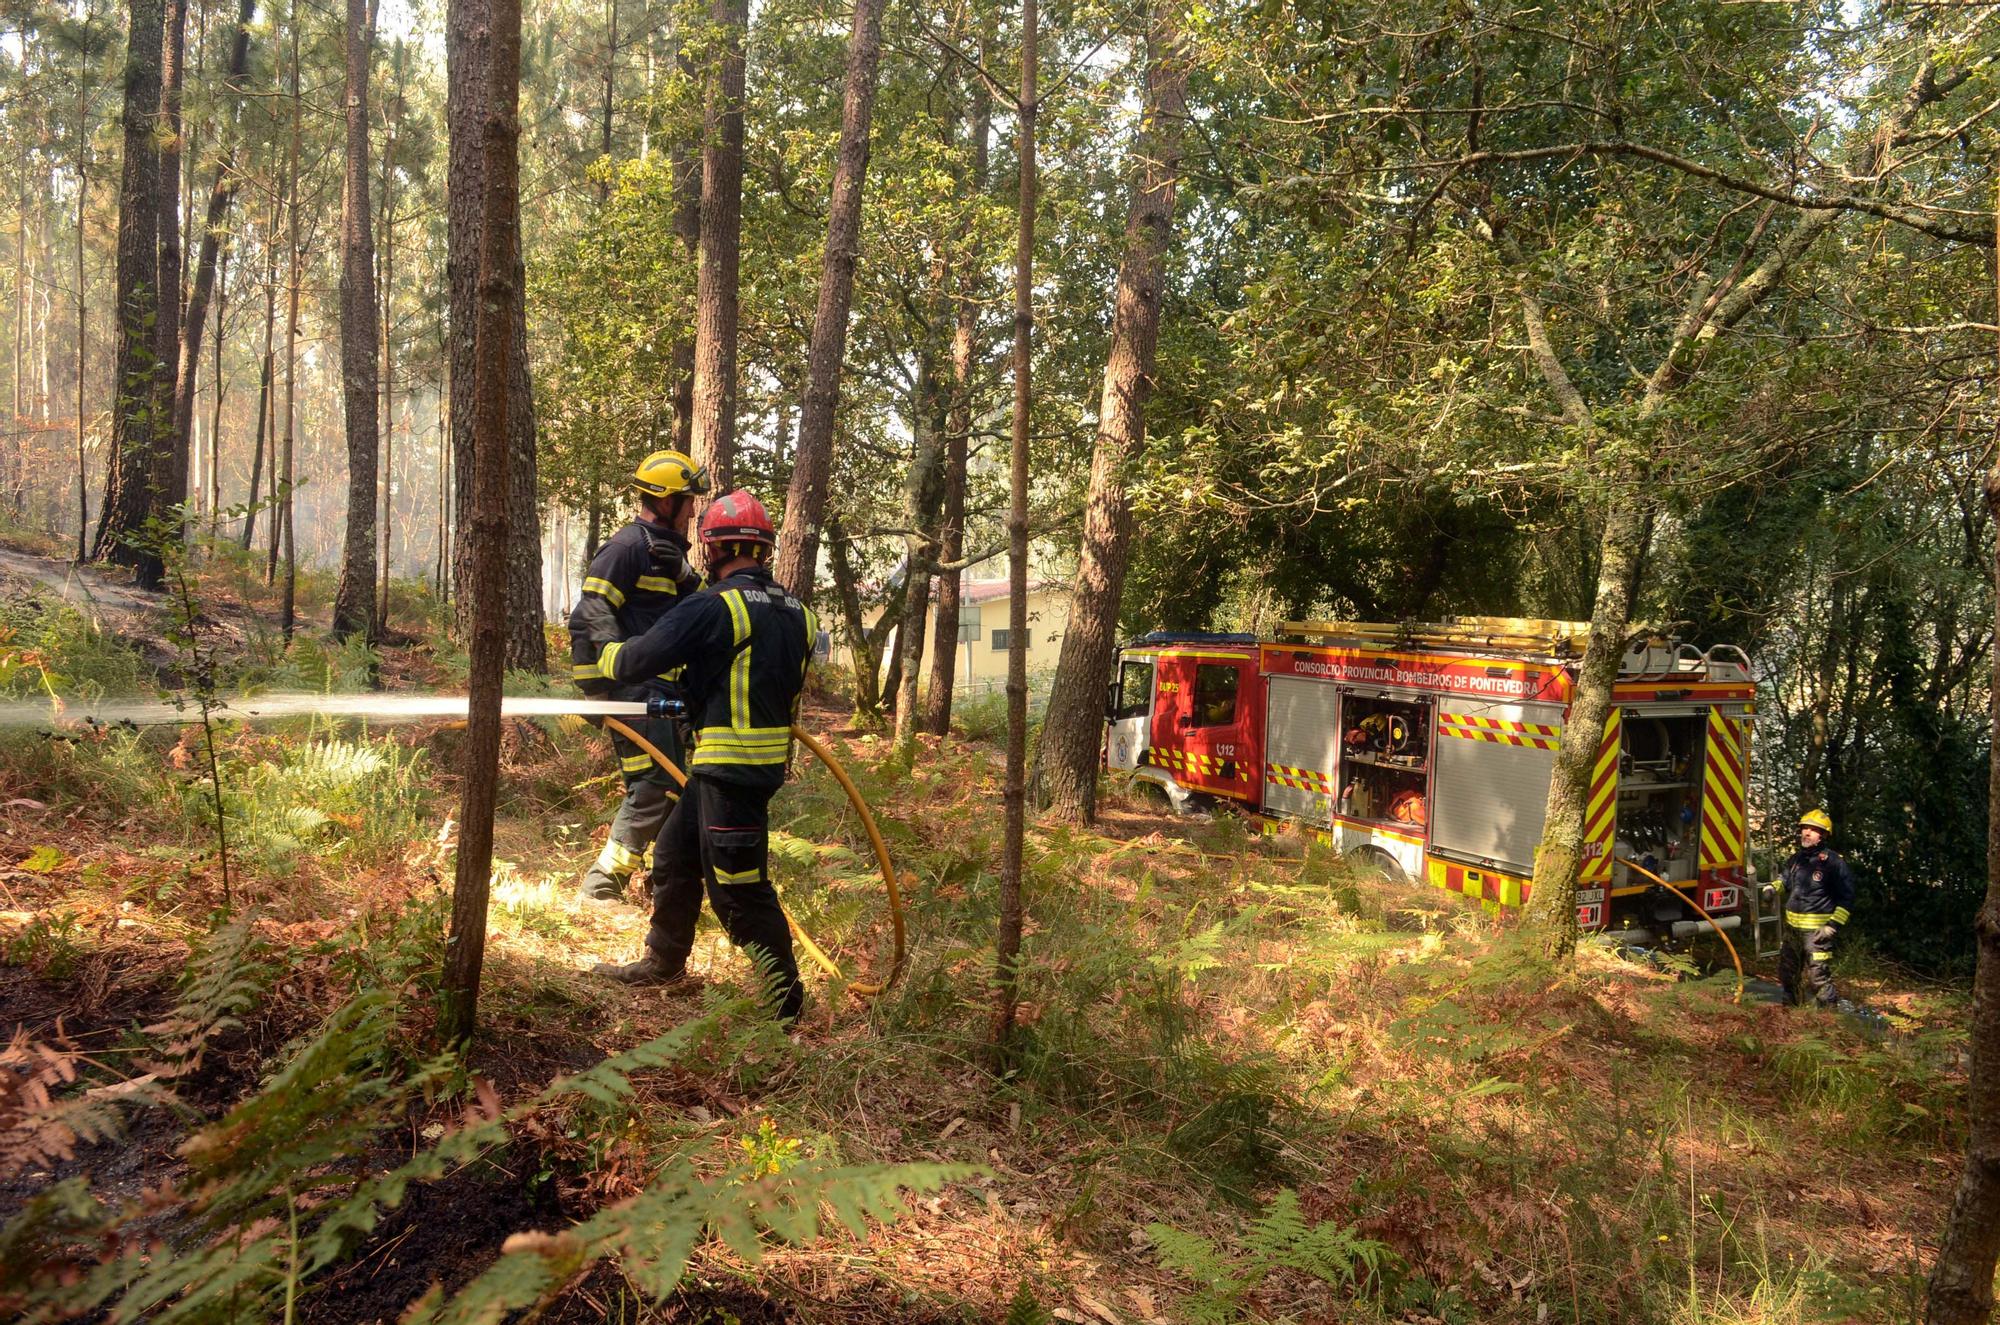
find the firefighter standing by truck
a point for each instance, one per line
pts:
(633, 581)
(1819, 890)
(744, 644)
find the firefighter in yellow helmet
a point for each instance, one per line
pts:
(1819, 889)
(636, 578)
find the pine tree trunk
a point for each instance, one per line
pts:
(354, 599)
(173, 481)
(923, 494)
(1961, 1283)
(257, 456)
(137, 427)
(282, 531)
(721, 245)
(1007, 936)
(1066, 759)
(219, 200)
(958, 432)
(386, 292)
(494, 389)
(686, 165)
(215, 415)
(82, 324)
(465, 53)
(812, 458)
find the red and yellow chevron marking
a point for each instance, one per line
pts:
(1533, 735)
(1724, 808)
(1485, 885)
(1299, 779)
(1600, 815)
(1196, 764)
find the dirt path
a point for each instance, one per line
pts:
(81, 586)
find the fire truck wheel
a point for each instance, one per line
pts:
(1376, 862)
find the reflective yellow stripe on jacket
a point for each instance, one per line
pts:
(739, 742)
(604, 589)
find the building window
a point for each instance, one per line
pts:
(1214, 694)
(1002, 638)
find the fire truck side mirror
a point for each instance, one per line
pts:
(1111, 702)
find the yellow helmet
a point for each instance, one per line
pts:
(1817, 819)
(668, 473)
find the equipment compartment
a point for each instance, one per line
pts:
(1660, 766)
(1385, 761)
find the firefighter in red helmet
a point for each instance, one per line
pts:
(745, 644)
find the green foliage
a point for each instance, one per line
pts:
(71, 656)
(1025, 1310)
(284, 1160)
(48, 943)
(332, 798)
(1280, 1238)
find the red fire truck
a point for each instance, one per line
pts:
(1426, 750)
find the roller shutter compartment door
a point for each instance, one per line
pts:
(1301, 745)
(1491, 766)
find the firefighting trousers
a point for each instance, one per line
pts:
(1806, 960)
(717, 838)
(649, 790)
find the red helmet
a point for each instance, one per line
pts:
(737, 517)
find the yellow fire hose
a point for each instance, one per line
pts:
(865, 988)
(1719, 932)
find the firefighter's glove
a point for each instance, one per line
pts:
(1825, 935)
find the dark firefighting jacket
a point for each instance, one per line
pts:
(1819, 888)
(744, 646)
(632, 582)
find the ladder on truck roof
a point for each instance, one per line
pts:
(1557, 639)
(1649, 652)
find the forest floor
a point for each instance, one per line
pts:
(1248, 1085)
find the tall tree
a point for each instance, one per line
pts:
(388, 296)
(716, 280)
(267, 361)
(1066, 759)
(965, 352)
(493, 389)
(1007, 936)
(354, 599)
(685, 162)
(466, 84)
(812, 459)
(137, 428)
(923, 494)
(173, 61)
(282, 531)
(1961, 1283)
(220, 199)
(1619, 455)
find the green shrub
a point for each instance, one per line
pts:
(363, 799)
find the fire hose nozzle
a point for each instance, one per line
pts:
(666, 706)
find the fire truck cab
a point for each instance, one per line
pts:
(1426, 750)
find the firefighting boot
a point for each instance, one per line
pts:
(651, 969)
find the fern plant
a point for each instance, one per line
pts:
(1281, 1238)
(280, 1191)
